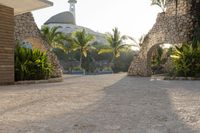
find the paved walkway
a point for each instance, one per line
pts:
(101, 104)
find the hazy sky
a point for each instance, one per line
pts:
(132, 17)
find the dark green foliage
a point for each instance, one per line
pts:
(31, 64)
(52, 35)
(169, 51)
(81, 46)
(187, 60)
(68, 60)
(158, 61)
(103, 56)
(60, 54)
(89, 64)
(122, 63)
(82, 42)
(115, 46)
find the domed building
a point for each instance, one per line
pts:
(67, 21)
(62, 18)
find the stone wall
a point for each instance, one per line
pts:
(6, 45)
(172, 27)
(26, 30)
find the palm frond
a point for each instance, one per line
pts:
(51, 34)
(85, 53)
(161, 3)
(105, 50)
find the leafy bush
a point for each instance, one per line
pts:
(158, 60)
(77, 69)
(122, 63)
(88, 64)
(187, 60)
(31, 64)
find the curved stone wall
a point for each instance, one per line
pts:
(27, 30)
(172, 27)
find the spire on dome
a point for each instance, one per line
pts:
(72, 7)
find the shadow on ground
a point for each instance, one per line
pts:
(122, 105)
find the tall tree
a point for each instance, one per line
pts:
(138, 43)
(116, 44)
(65, 43)
(52, 35)
(82, 42)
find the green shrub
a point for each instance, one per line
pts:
(122, 63)
(77, 69)
(31, 64)
(159, 59)
(187, 60)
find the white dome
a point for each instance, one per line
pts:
(62, 18)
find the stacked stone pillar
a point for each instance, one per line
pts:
(175, 26)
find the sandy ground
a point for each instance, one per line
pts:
(101, 104)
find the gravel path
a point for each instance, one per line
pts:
(101, 104)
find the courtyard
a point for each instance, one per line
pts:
(101, 104)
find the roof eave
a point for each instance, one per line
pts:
(23, 6)
(49, 4)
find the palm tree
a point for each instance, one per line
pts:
(82, 42)
(116, 44)
(138, 43)
(161, 3)
(52, 35)
(65, 43)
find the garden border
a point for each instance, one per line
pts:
(52, 80)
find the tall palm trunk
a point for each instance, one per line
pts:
(81, 58)
(81, 61)
(112, 62)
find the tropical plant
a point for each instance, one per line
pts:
(65, 43)
(88, 64)
(31, 64)
(160, 3)
(52, 36)
(158, 61)
(116, 44)
(123, 63)
(163, 3)
(82, 42)
(140, 41)
(187, 60)
(157, 58)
